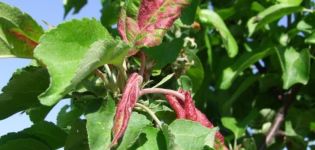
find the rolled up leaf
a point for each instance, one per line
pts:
(125, 106)
(187, 110)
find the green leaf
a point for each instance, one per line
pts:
(185, 83)
(46, 132)
(189, 135)
(73, 4)
(110, 11)
(72, 51)
(310, 39)
(212, 18)
(24, 144)
(38, 113)
(135, 127)
(19, 33)
(157, 53)
(196, 71)
(99, 125)
(232, 124)
(18, 95)
(295, 66)
(77, 139)
(242, 63)
(291, 2)
(269, 15)
(241, 88)
(66, 117)
(165, 79)
(152, 138)
(189, 13)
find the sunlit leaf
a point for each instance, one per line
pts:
(72, 51)
(189, 135)
(242, 63)
(269, 15)
(135, 127)
(211, 18)
(99, 126)
(295, 65)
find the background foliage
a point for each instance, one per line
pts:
(249, 64)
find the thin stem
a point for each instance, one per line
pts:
(143, 63)
(162, 91)
(151, 113)
(101, 75)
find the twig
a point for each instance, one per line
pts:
(275, 125)
(151, 113)
(288, 98)
(162, 91)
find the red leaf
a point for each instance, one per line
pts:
(180, 112)
(154, 17)
(125, 106)
(187, 110)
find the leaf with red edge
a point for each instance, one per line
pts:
(125, 106)
(155, 17)
(19, 33)
(147, 27)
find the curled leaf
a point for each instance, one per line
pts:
(125, 106)
(187, 110)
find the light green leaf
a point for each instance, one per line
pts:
(73, 4)
(296, 67)
(135, 127)
(19, 33)
(233, 125)
(242, 63)
(310, 39)
(72, 51)
(165, 79)
(189, 135)
(18, 95)
(99, 125)
(269, 15)
(152, 142)
(210, 17)
(291, 2)
(24, 144)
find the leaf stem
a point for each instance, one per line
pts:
(151, 113)
(143, 63)
(162, 91)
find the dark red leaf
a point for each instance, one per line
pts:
(187, 110)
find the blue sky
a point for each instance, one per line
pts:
(50, 11)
